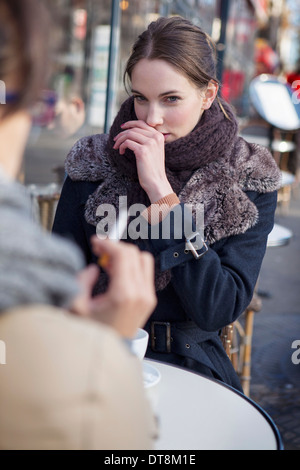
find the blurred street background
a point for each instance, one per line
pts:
(275, 379)
(93, 39)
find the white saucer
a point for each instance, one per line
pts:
(151, 375)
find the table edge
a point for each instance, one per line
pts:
(268, 418)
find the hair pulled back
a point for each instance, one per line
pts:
(180, 43)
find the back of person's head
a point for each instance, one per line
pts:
(24, 42)
(182, 44)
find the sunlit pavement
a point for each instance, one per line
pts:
(275, 383)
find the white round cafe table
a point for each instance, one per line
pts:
(279, 236)
(198, 413)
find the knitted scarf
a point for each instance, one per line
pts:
(211, 166)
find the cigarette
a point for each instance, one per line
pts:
(115, 235)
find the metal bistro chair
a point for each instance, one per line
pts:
(285, 192)
(44, 203)
(237, 341)
(272, 97)
(47, 205)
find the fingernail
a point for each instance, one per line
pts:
(123, 125)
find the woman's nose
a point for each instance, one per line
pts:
(154, 116)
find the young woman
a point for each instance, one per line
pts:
(175, 143)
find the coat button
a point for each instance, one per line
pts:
(175, 254)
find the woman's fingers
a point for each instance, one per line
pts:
(138, 123)
(130, 297)
(138, 130)
(122, 141)
(87, 278)
(147, 137)
(140, 140)
(148, 146)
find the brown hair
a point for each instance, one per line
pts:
(183, 45)
(180, 43)
(24, 40)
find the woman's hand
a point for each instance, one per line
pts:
(148, 146)
(130, 298)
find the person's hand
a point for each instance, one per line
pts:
(148, 146)
(130, 298)
(87, 278)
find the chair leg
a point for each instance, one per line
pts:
(237, 347)
(246, 362)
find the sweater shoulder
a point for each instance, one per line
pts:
(87, 159)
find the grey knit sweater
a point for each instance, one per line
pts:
(35, 267)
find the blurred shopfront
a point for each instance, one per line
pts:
(93, 40)
(84, 34)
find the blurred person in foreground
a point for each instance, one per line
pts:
(70, 381)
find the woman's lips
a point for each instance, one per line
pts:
(166, 136)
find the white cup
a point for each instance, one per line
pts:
(139, 343)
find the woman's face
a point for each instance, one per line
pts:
(167, 100)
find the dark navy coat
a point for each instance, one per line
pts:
(203, 296)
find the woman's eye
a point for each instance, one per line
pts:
(172, 99)
(139, 98)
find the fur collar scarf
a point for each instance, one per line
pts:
(211, 166)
